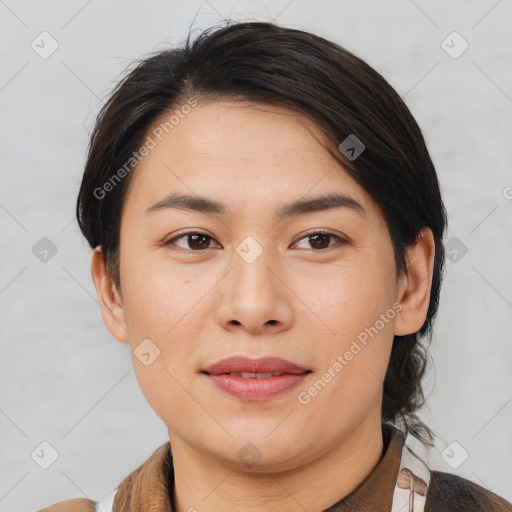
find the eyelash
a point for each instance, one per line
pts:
(341, 240)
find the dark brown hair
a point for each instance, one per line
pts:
(344, 96)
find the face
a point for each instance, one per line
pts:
(314, 285)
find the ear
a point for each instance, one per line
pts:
(112, 309)
(415, 284)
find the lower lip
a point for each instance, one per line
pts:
(256, 389)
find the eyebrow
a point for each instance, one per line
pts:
(302, 206)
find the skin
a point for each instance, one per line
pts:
(200, 306)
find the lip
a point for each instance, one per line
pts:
(238, 364)
(255, 389)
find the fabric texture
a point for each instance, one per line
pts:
(450, 493)
(149, 488)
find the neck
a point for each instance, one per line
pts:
(204, 483)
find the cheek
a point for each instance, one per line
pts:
(161, 310)
(355, 300)
(358, 308)
(159, 296)
(158, 310)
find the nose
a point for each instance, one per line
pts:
(254, 297)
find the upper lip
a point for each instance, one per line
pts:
(241, 364)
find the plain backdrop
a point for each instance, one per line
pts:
(66, 382)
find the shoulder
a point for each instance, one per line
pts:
(75, 505)
(156, 470)
(84, 505)
(453, 493)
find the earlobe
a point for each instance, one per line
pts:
(112, 309)
(415, 284)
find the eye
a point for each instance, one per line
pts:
(195, 241)
(320, 240)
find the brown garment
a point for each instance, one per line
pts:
(149, 488)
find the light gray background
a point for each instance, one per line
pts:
(65, 380)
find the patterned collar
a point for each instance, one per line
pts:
(398, 483)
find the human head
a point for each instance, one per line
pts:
(339, 93)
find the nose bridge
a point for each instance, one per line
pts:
(252, 263)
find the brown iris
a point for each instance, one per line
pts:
(198, 241)
(319, 237)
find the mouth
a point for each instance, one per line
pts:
(252, 375)
(255, 379)
(263, 367)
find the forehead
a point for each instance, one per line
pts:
(239, 152)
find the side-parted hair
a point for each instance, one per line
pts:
(344, 96)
